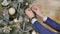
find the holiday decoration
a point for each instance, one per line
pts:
(12, 11)
(5, 2)
(13, 19)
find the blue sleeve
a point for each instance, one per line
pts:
(53, 24)
(41, 29)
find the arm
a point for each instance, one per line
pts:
(36, 25)
(48, 21)
(40, 28)
(51, 23)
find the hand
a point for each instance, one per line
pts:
(29, 13)
(37, 11)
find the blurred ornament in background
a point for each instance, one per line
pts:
(15, 20)
(15, 26)
(6, 29)
(5, 3)
(33, 32)
(13, 14)
(27, 3)
(4, 14)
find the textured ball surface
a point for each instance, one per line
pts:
(12, 11)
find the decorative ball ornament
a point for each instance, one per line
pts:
(15, 20)
(27, 3)
(5, 3)
(6, 29)
(12, 11)
(4, 14)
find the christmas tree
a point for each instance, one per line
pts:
(13, 19)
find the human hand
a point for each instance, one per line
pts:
(29, 13)
(37, 11)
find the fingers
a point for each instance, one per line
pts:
(28, 9)
(29, 13)
(35, 8)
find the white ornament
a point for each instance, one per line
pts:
(5, 3)
(26, 3)
(15, 20)
(12, 11)
(33, 32)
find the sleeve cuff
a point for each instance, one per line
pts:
(45, 18)
(33, 20)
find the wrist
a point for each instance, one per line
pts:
(42, 16)
(32, 18)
